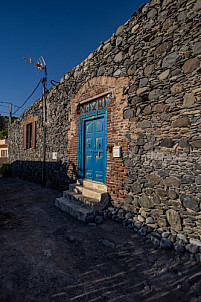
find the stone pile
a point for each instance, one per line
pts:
(163, 237)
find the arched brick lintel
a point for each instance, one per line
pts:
(116, 136)
(103, 83)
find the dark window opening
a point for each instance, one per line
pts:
(4, 153)
(29, 135)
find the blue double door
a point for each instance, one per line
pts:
(94, 149)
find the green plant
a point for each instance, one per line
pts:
(3, 134)
(5, 169)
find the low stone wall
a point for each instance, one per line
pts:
(166, 238)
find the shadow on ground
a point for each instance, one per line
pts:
(47, 255)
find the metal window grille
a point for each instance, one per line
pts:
(95, 104)
(4, 153)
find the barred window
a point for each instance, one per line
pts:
(95, 104)
(4, 153)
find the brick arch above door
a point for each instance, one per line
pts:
(90, 90)
(98, 85)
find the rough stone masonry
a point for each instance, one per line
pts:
(152, 66)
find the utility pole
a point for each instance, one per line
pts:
(44, 79)
(42, 66)
(10, 110)
(10, 114)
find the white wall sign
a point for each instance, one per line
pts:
(54, 155)
(116, 151)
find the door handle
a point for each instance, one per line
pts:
(95, 152)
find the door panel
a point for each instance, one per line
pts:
(94, 149)
(99, 126)
(89, 126)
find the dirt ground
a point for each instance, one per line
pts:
(47, 255)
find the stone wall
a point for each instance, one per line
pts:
(154, 61)
(165, 134)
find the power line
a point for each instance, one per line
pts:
(3, 112)
(28, 97)
(20, 108)
(9, 104)
(4, 102)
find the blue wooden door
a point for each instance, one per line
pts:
(94, 149)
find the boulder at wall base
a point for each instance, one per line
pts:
(191, 248)
(178, 248)
(173, 218)
(196, 242)
(165, 243)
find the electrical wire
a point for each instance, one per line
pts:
(3, 112)
(52, 82)
(5, 102)
(28, 97)
(11, 104)
(20, 108)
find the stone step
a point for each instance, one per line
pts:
(78, 211)
(81, 199)
(76, 188)
(96, 194)
(94, 185)
(89, 192)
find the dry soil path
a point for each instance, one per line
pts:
(47, 255)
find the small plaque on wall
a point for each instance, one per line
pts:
(116, 151)
(54, 155)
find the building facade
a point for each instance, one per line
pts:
(129, 117)
(3, 151)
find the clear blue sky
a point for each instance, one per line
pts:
(63, 32)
